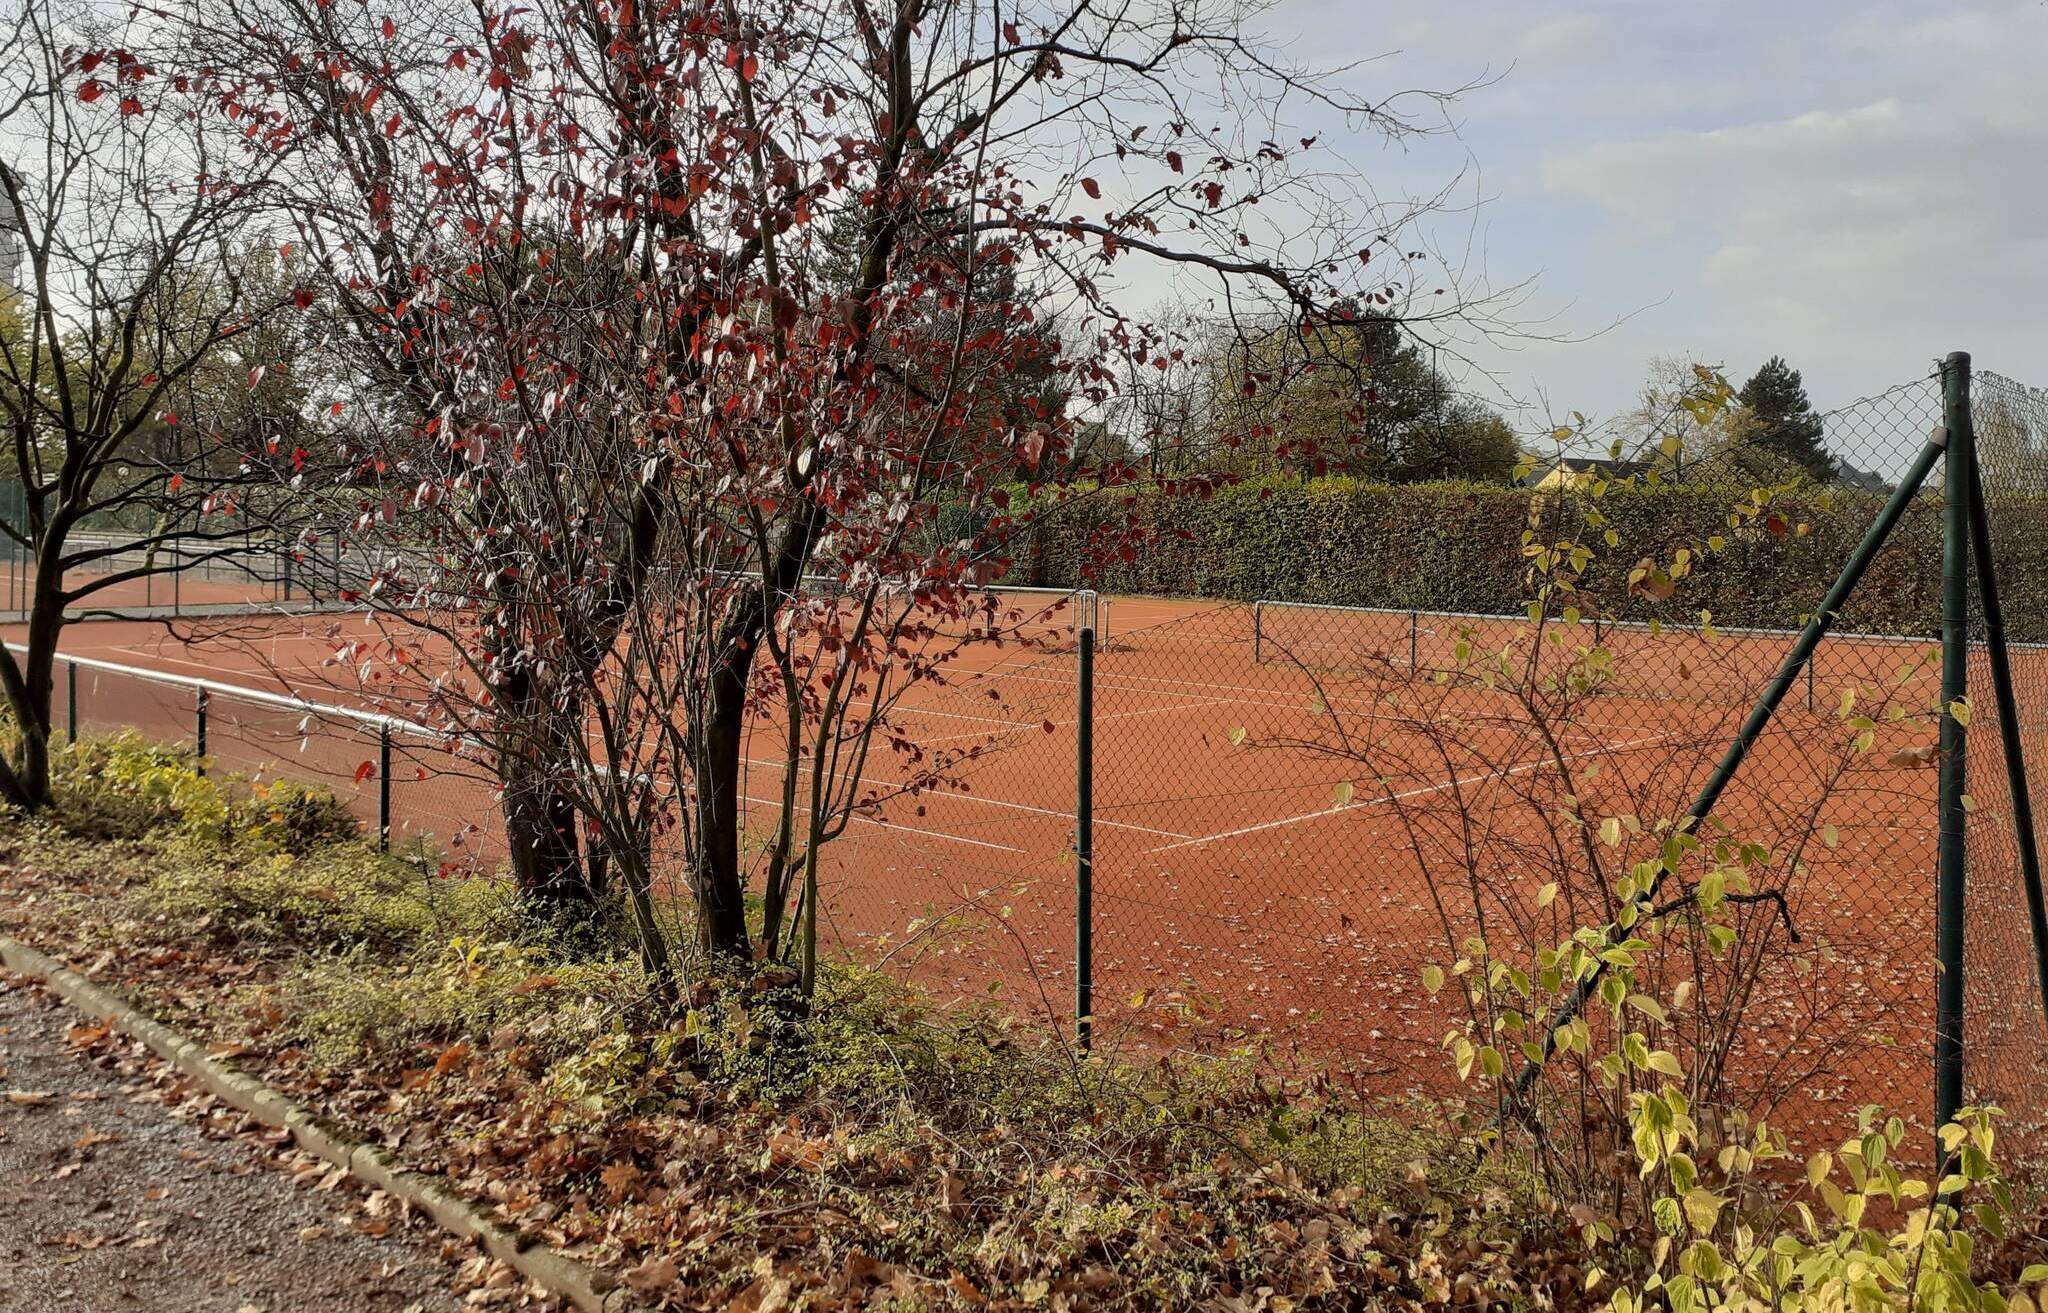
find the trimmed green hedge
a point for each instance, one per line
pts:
(1458, 547)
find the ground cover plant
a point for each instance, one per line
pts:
(871, 1148)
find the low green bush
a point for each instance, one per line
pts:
(354, 1008)
(125, 787)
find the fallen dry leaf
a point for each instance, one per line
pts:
(953, 1195)
(654, 1274)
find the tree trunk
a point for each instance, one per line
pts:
(541, 836)
(29, 680)
(541, 842)
(715, 876)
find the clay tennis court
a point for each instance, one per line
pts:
(1270, 787)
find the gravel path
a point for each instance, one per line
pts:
(110, 1202)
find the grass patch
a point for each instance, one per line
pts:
(745, 1147)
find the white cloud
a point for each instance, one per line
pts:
(1564, 40)
(1884, 231)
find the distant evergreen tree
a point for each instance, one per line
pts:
(1781, 419)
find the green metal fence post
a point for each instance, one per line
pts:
(200, 737)
(1084, 845)
(384, 788)
(1258, 632)
(71, 699)
(1951, 847)
(1414, 637)
(2009, 729)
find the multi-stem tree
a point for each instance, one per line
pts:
(144, 418)
(663, 310)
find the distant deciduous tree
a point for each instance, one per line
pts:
(1363, 401)
(138, 399)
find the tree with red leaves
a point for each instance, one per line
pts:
(676, 327)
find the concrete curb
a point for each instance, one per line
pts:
(589, 1289)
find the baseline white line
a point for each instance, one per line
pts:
(1365, 703)
(886, 825)
(1522, 769)
(988, 720)
(1142, 711)
(1001, 802)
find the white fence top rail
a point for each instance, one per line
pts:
(243, 693)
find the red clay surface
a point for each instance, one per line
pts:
(1263, 826)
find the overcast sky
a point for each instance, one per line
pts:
(1858, 187)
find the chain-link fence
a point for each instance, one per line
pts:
(412, 790)
(140, 575)
(2005, 1042)
(1299, 804)
(1301, 801)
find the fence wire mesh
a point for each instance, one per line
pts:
(132, 575)
(1302, 800)
(2005, 1029)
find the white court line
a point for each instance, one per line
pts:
(1000, 802)
(1199, 684)
(986, 720)
(885, 825)
(1522, 769)
(1142, 711)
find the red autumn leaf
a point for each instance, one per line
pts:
(177, 482)
(1173, 160)
(748, 67)
(1010, 34)
(1214, 192)
(1094, 192)
(365, 771)
(130, 105)
(390, 29)
(1047, 727)
(302, 298)
(89, 91)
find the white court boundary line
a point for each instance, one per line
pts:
(1363, 707)
(1121, 715)
(1417, 792)
(986, 802)
(887, 825)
